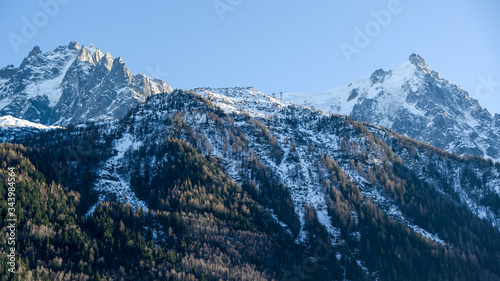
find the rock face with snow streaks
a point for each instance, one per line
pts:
(73, 85)
(413, 100)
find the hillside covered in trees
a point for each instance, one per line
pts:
(231, 184)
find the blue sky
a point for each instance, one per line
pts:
(281, 45)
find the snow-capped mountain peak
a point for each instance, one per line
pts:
(71, 85)
(413, 100)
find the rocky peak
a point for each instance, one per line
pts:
(379, 75)
(72, 84)
(34, 58)
(73, 45)
(7, 68)
(35, 51)
(7, 72)
(83, 54)
(108, 56)
(412, 100)
(106, 62)
(90, 54)
(120, 68)
(418, 61)
(98, 55)
(421, 64)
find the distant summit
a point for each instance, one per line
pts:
(413, 100)
(73, 84)
(418, 61)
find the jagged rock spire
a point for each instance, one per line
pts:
(35, 51)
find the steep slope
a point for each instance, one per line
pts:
(326, 179)
(413, 100)
(339, 199)
(72, 85)
(211, 234)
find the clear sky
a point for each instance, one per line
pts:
(272, 45)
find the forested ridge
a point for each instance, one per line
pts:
(229, 197)
(212, 232)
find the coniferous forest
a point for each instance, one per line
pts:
(221, 205)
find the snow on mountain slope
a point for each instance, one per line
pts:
(51, 88)
(413, 100)
(28, 92)
(344, 99)
(242, 100)
(296, 138)
(331, 144)
(232, 126)
(256, 104)
(275, 113)
(9, 121)
(469, 182)
(112, 180)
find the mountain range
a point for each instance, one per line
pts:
(234, 184)
(72, 85)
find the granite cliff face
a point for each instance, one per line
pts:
(73, 85)
(413, 100)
